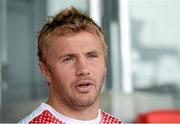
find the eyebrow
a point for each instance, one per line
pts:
(93, 52)
(74, 54)
(66, 55)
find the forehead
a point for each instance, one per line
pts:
(79, 43)
(82, 41)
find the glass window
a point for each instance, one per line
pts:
(155, 29)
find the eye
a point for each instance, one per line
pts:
(68, 59)
(92, 55)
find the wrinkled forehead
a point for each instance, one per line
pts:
(68, 33)
(83, 35)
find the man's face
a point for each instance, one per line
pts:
(77, 66)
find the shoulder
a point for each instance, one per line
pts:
(32, 115)
(42, 114)
(45, 117)
(109, 119)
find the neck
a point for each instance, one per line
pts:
(80, 113)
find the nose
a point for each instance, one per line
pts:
(82, 68)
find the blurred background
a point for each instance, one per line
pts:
(144, 55)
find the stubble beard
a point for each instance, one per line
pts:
(77, 101)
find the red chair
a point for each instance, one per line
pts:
(159, 116)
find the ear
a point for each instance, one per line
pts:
(45, 72)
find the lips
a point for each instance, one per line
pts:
(83, 86)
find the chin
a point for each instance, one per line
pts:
(85, 102)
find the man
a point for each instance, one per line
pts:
(72, 55)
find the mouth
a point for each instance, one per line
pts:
(84, 86)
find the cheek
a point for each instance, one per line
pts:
(64, 74)
(100, 66)
(99, 71)
(62, 81)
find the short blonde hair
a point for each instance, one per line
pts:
(64, 23)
